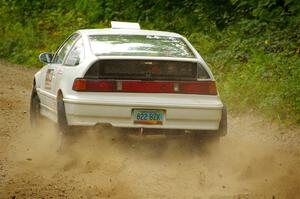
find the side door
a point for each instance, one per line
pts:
(53, 69)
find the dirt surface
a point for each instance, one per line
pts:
(256, 159)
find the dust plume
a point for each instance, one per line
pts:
(103, 163)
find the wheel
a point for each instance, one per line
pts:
(223, 123)
(61, 118)
(35, 108)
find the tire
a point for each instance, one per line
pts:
(62, 119)
(223, 123)
(35, 110)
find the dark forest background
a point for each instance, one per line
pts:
(252, 46)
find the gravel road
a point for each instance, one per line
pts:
(258, 159)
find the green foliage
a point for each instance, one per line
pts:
(253, 46)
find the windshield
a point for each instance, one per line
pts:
(139, 45)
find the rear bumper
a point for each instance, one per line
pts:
(189, 112)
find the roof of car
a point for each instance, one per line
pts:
(112, 31)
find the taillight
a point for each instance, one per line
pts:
(79, 85)
(104, 86)
(134, 86)
(94, 85)
(148, 87)
(205, 88)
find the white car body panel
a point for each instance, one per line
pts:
(183, 111)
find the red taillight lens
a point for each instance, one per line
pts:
(204, 88)
(79, 85)
(148, 87)
(94, 85)
(201, 87)
(103, 86)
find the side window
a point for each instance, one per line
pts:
(64, 49)
(76, 54)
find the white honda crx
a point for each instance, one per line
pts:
(125, 77)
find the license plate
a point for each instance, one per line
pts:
(148, 116)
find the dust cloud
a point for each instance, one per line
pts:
(256, 160)
(103, 163)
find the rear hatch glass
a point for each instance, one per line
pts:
(139, 45)
(144, 70)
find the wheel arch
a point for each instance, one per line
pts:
(37, 79)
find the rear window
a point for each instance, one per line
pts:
(146, 70)
(139, 45)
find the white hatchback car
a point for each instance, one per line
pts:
(148, 81)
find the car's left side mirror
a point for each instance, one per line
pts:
(46, 57)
